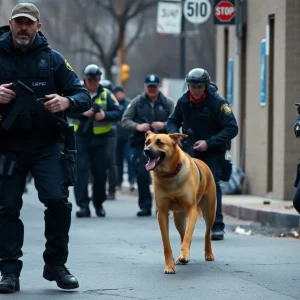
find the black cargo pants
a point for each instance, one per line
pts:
(142, 177)
(214, 162)
(46, 167)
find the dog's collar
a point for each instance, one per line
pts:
(175, 172)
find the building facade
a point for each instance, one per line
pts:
(266, 60)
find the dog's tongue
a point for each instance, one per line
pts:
(151, 164)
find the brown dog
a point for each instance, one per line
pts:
(184, 185)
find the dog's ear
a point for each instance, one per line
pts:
(176, 136)
(149, 132)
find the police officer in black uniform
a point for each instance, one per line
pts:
(34, 143)
(93, 129)
(148, 111)
(213, 125)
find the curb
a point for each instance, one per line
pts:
(271, 218)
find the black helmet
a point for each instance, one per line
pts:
(91, 71)
(107, 84)
(197, 76)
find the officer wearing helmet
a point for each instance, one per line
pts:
(93, 129)
(209, 116)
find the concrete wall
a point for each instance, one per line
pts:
(286, 92)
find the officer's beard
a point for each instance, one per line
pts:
(24, 43)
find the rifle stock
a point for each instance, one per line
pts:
(95, 108)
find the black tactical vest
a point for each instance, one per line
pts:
(145, 113)
(33, 69)
(200, 117)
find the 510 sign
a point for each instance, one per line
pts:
(197, 11)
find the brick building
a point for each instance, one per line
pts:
(267, 148)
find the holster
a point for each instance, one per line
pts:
(69, 156)
(7, 166)
(226, 170)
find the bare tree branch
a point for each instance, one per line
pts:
(108, 6)
(85, 50)
(137, 34)
(93, 37)
(141, 7)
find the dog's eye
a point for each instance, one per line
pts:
(147, 142)
(159, 143)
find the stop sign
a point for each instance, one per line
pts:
(225, 11)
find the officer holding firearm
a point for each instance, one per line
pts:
(93, 129)
(33, 139)
(202, 110)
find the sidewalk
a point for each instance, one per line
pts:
(275, 213)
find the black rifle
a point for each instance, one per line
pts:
(95, 109)
(25, 98)
(188, 143)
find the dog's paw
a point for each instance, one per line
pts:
(209, 256)
(182, 260)
(170, 270)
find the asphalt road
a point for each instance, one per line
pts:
(121, 257)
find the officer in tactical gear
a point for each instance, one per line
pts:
(202, 110)
(148, 111)
(35, 142)
(93, 129)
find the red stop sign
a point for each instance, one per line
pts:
(225, 11)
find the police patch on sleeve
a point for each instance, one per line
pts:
(68, 66)
(225, 108)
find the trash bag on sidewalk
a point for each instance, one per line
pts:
(234, 185)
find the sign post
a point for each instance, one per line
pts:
(197, 11)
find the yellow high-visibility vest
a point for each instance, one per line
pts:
(99, 127)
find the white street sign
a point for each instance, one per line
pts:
(197, 11)
(169, 18)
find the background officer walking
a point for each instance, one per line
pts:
(148, 111)
(124, 151)
(93, 129)
(213, 124)
(34, 143)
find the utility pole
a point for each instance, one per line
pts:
(182, 46)
(121, 51)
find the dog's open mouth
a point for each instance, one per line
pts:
(154, 161)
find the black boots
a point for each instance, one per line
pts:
(100, 211)
(217, 235)
(144, 213)
(83, 213)
(9, 284)
(64, 279)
